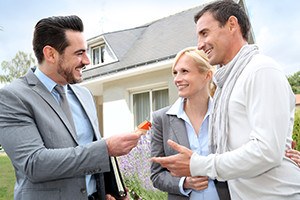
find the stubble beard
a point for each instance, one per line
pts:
(67, 74)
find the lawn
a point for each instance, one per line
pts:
(7, 178)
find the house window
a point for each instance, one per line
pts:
(101, 54)
(146, 102)
(98, 54)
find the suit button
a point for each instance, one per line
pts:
(83, 190)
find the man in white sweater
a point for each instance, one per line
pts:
(252, 120)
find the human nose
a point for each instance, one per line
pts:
(177, 78)
(200, 43)
(85, 59)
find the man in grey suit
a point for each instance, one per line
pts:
(57, 155)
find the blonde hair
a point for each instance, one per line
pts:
(199, 57)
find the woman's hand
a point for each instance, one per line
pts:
(294, 155)
(196, 183)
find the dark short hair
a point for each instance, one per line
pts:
(222, 10)
(51, 31)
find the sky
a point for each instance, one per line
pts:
(276, 24)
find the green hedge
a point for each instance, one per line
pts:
(296, 130)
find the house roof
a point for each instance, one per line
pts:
(153, 42)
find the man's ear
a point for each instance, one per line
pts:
(50, 54)
(232, 23)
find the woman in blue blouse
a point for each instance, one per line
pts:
(185, 122)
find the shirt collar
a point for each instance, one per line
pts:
(177, 108)
(48, 82)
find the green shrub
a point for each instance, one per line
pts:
(296, 129)
(137, 191)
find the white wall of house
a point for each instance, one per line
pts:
(113, 94)
(117, 98)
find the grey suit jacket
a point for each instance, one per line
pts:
(43, 148)
(166, 127)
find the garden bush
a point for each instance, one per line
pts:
(296, 130)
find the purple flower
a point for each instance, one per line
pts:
(136, 163)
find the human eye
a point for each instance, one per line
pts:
(79, 52)
(205, 33)
(184, 71)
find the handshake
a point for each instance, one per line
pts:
(121, 144)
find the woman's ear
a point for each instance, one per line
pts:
(209, 75)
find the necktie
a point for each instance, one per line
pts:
(64, 104)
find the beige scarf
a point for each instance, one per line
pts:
(225, 79)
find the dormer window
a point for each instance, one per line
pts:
(100, 53)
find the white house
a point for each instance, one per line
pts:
(130, 71)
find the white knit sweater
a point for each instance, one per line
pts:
(261, 111)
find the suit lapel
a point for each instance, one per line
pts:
(178, 128)
(38, 87)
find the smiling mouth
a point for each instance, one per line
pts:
(181, 87)
(208, 51)
(80, 68)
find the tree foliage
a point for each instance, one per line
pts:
(17, 67)
(296, 130)
(294, 81)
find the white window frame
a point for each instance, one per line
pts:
(98, 43)
(101, 59)
(150, 91)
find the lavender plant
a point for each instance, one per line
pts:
(135, 168)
